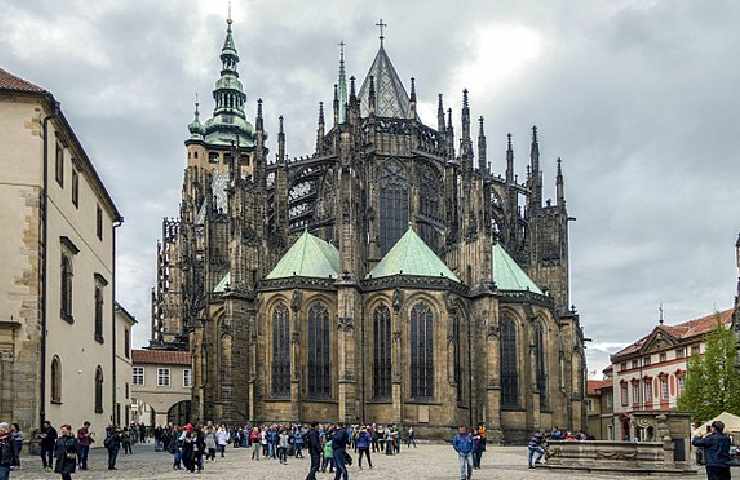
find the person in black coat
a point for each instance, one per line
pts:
(112, 443)
(8, 451)
(65, 453)
(312, 441)
(48, 436)
(716, 447)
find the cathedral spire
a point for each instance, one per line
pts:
(535, 198)
(450, 134)
(509, 160)
(342, 84)
(466, 150)
(413, 98)
(196, 128)
(335, 105)
(229, 92)
(258, 120)
(482, 155)
(560, 185)
(281, 141)
(440, 114)
(381, 25)
(320, 131)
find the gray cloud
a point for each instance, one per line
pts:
(639, 99)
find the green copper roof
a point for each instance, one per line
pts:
(225, 282)
(507, 274)
(411, 256)
(309, 256)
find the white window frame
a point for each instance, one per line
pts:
(187, 378)
(138, 372)
(163, 377)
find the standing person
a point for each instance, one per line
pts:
(199, 446)
(463, 445)
(716, 447)
(328, 455)
(272, 441)
(477, 452)
(7, 451)
(175, 448)
(158, 439)
(298, 442)
(48, 436)
(388, 441)
(187, 450)
(313, 445)
(363, 445)
(112, 443)
(263, 441)
(222, 438)
(142, 432)
(411, 438)
(339, 449)
(126, 441)
(483, 439)
(84, 439)
(210, 444)
(283, 447)
(65, 453)
(255, 437)
(17, 436)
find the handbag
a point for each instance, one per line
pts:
(347, 458)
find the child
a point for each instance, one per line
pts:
(328, 457)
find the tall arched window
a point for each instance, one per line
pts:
(394, 206)
(66, 287)
(430, 187)
(382, 352)
(56, 380)
(541, 364)
(280, 352)
(99, 389)
(509, 372)
(422, 351)
(319, 373)
(457, 355)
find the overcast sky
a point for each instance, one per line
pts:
(639, 98)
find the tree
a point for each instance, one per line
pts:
(712, 383)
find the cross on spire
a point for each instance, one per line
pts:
(381, 25)
(660, 309)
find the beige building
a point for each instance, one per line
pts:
(124, 365)
(57, 285)
(161, 386)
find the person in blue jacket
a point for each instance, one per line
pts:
(716, 447)
(463, 445)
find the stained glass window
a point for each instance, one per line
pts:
(457, 355)
(382, 352)
(509, 372)
(541, 363)
(280, 352)
(319, 373)
(394, 206)
(422, 351)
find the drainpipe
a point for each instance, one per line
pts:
(42, 259)
(116, 224)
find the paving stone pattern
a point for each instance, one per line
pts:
(428, 462)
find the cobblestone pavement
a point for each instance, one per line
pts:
(428, 462)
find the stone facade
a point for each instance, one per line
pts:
(377, 172)
(161, 384)
(57, 287)
(124, 371)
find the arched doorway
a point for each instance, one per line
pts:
(179, 413)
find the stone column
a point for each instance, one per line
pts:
(396, 366)
(347, 311)
(493, 374)
(252, 370)
(296, 320)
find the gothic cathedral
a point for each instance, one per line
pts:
(389, 276)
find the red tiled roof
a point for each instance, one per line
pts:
(684, 330)
(594, 385)
(161, 357)
(8, 81)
